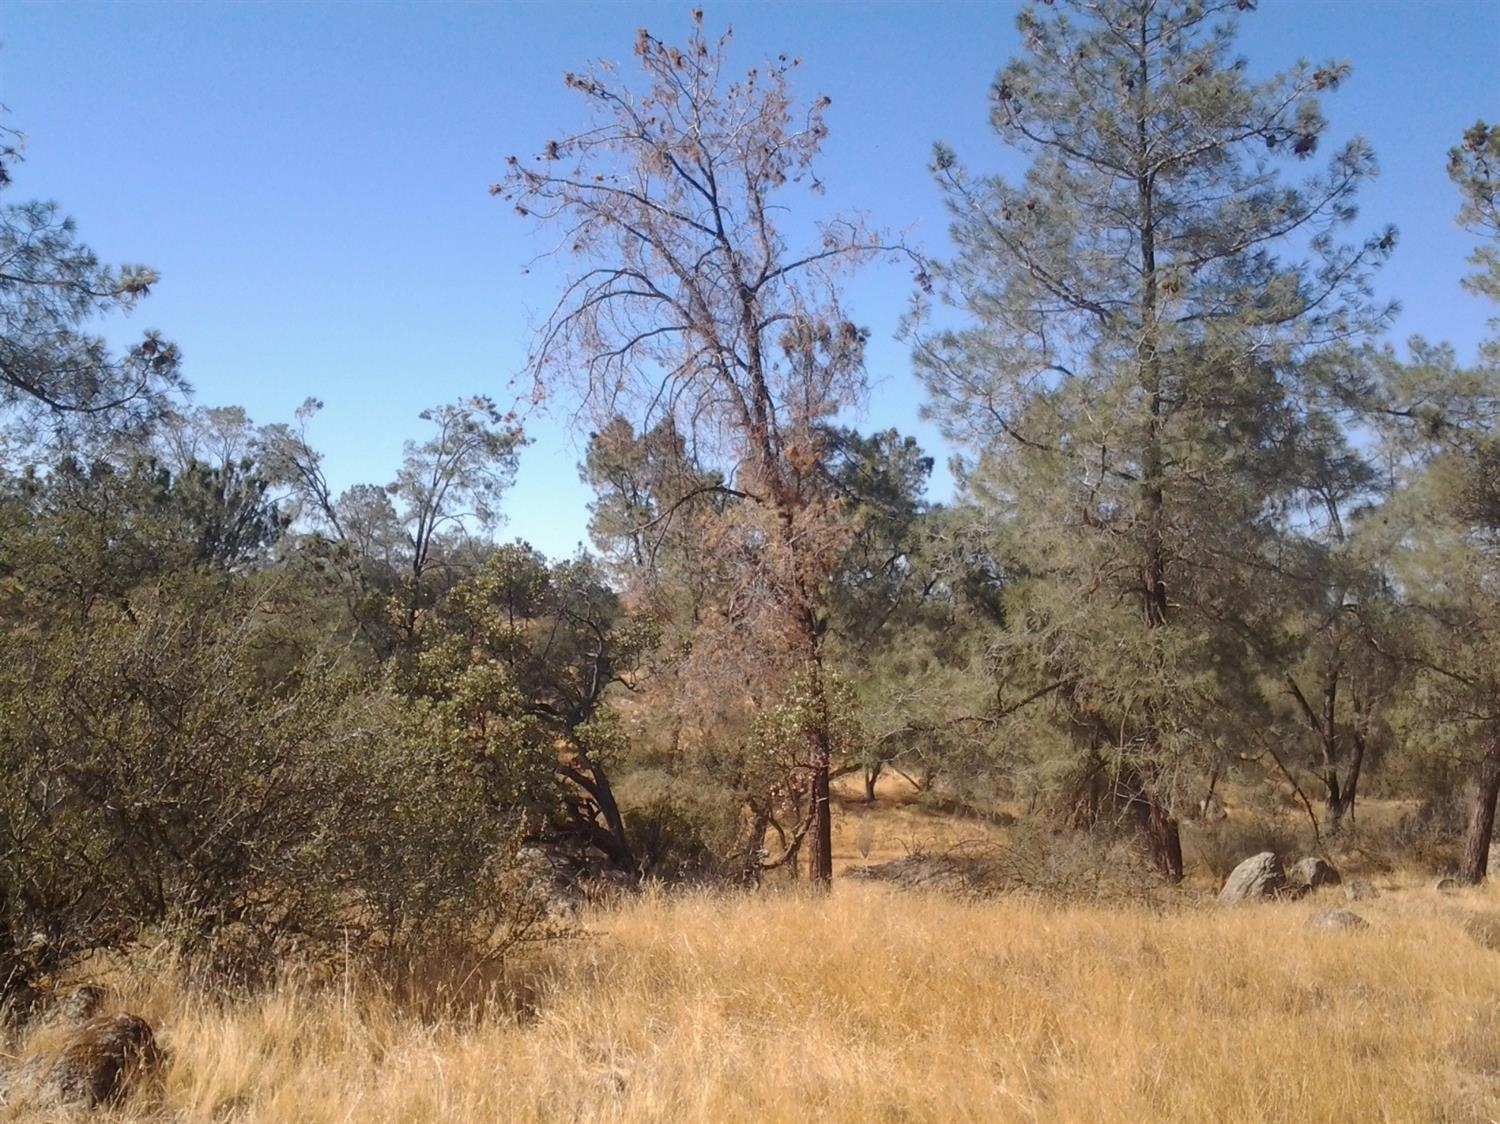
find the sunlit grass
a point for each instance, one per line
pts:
(882, 1005)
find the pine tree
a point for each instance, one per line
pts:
(56, 378)
(1145, 380)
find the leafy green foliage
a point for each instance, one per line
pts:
(512, 667)
(157, 777)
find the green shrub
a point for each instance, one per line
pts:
(156, 777)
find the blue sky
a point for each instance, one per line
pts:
(310, 179)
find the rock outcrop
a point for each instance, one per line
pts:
(1336, 921)
(1257, 878)
(1313, 873)
(102, 1062)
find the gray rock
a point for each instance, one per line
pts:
(1445, 885)
(548, 882)
(38, 1008)
(1257, 878)
(75, 1006)
(1314, 872)
(1360, 891)
(1336, 920)
(101, 1063)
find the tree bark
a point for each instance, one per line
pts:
(604, 794)
(1341, 804)
(11, 976)
(1165, 837)
(1474, 865)
(1328, 736)
(1360, 742)
(820, 854)
(1162, 833)
(1155, 822)
(612, 839)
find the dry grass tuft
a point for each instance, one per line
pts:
(1484, 928)
(883, 1006)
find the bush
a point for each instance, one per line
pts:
(1227, 844)
(1061, 865)
(158, 778)
(1081, 865)
(683, 829)
(1430, 835)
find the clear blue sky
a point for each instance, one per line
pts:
(310, 179)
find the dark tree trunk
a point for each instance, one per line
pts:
(1328, 736)
(1356, 763)
(1085, 800)
(1474, 865)
(820, 854)
(11, 976)
(1208, 796)
(611, 838)
(1165, 836)
(872, 775)
(1341, 801)
(624, 854)
(1132, 799)
(1333, 803)
(1159, 827)
(1360, 741)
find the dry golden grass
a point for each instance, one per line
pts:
(877, 1005)
(898, 824)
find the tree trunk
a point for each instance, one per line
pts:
(1160, 828)
(1360, 742)
(872, 775)
(11, 976)
(1084, 802)
(1341, 803)
(624, 856)
(1131, 799)
(1165, 837)
(1333, 804)
(820, 854)
(1162, 834)
(1476, 857)
(1208, 796)
(1328, 737)
(612, 839)
(755, 844)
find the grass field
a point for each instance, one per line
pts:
(879, 1004)
(884, 1005)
